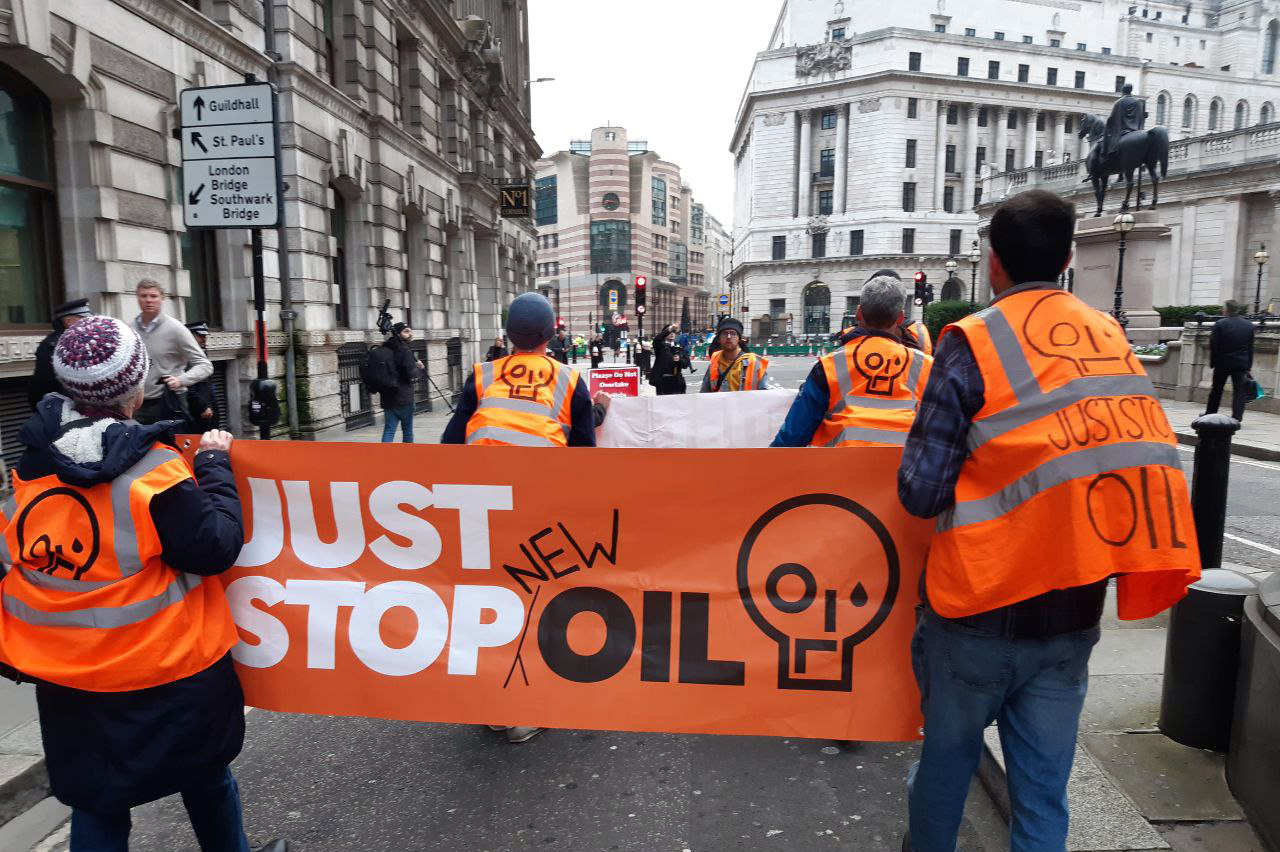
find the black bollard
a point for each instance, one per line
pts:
(1209, 477)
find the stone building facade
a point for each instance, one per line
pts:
(609, 209)
(867, 128)
(397, 119)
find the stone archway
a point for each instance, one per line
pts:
(817, 308)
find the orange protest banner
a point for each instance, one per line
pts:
(469, 584)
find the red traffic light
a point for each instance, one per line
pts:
(559, 322)
(641, 281)
(921, 277)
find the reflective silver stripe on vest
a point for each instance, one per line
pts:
(486, 375)
(845, 383)
(126, 537)
(862, 433)
(564, 381)
(7, 508)
(1055, 472)
(104, 617)
(1009, 349)
(524, 406)
(913, 375)
(840, 359)
(509, 436)
(62, 584)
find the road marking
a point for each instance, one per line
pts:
(1237, 459)
(1264, 547)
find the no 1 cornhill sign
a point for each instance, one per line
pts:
(229, 169)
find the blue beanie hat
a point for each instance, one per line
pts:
(530, 320)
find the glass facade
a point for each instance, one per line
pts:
(679, 255)
(610, 247)
(696, 223)
(659, 201)
(545, 204)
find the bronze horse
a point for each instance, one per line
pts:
(1135, 151)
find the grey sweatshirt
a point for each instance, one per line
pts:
(174, 352)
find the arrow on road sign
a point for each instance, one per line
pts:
(198, 103)
(198, 142)
(193, 197)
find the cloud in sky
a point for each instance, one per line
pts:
(670, 71)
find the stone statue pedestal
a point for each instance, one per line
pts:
(1146, 260)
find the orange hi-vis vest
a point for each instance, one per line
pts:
(921, 332)
(874, 385)
(523, 400)
(754, 372)
(1073, 473)
(89, 604)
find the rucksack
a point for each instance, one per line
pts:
(378, 370)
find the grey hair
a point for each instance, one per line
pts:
(881, 301)
(1233, 308)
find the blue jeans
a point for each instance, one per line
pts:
(403, 415)
(213, 806)
(1034, 689)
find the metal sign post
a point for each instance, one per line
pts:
(231, 179)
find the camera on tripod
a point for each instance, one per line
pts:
(384, 318)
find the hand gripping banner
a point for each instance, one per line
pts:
(702, 591)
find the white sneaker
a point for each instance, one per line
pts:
(522, 733)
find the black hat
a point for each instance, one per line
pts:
(199, 327)
(888, 272)
(531, 321)
(73, 308)
(729, 323)
(399, 327)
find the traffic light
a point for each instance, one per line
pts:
(559, 324)
(642, 284)
(921, 281)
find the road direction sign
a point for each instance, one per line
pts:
(229, 168)
(724, 299)
(613, 300)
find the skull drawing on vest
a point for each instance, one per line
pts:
(881, 371)
(62, 514)
(524, 380)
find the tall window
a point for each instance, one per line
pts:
(913, 107)
(1269, 48)
(993, 70)
(1039, 159)
(962, 66)
(824, 202)
(1119, 82)
(819, 245)
(1012, 121)
(1008, 160)
(338, 230)
(980, 157)
(1024, 73)
(779, 248)
(828, 119)
(545, 203)
(1188, 112)
(30, 282)
(329, 41)
(911, 154)
(696, 229)
(611, 246)
(953, 114)
(679, 261)
(908, 197)
(1079, 79)
(950, 165)
(1215, 114)
(984, 117)
(1051, 77)
(827, 162)
(817, 308)
(1264, 115)
(913, 61)
(955, 242)
(1162, 107)
(1040, 121)
(659, 201)
(200, 259)
(855, 242)
(1242, 114)
(908, 240)
(948, 199)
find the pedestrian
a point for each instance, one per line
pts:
(202, 414)
(526, 399)
(1037, 502)
(670, 360)
(177, 361)
(43, 380)
(113, 608)
(865, 393)
(497, 350)
(732, 368)
(597, 351)
(1230, 356)
(558, 345)
(398, 402)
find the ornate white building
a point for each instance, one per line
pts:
(866, 128)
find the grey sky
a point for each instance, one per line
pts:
(670, 71)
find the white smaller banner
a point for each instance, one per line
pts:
(704, 421)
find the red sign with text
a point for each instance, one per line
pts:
(615, 381)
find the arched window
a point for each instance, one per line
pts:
(30, 275)
(1242, 114)
(1162, 108)
(817, 308)
(1215, 114)
(1266, 115)
(1188, 112)
(1269, 47)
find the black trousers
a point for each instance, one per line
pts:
(1220, 376)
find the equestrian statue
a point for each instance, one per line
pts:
(1121, 146)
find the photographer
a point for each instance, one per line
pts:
(670, 360)
(397, 400)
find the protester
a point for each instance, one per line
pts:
(43, 380)
(558, 345)
(866, 392)
(917, 333)
(497, 350)
(201, 405)
(670, 360)
(398, 402)
(526, 400)
(1230, 356)
(177, 361)
(1031, 523)
(732, 368)
(113, 608)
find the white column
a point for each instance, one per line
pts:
(940, 157)
(968, 166)
(1001, 132)
(803, 207)
(1029, 138)
(1059, 136)
(842, 156)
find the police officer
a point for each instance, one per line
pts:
(201, 405)
(43, 380)
(732, 368)
(865, 393)
(1070, 476)
(112, 606)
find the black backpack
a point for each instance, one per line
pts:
(378, 370)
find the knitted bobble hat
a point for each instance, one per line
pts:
(100, 361)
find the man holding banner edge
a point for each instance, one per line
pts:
(1038, 423)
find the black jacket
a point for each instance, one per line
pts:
(110, 751)
(43, 380)
(407, 373)
(1231, 344)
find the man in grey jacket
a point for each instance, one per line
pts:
(177, 361)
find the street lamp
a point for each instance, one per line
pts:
(1122, 225)
(975, 257)
(1260, 257)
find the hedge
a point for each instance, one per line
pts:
(1178, 315)
(941, 314)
